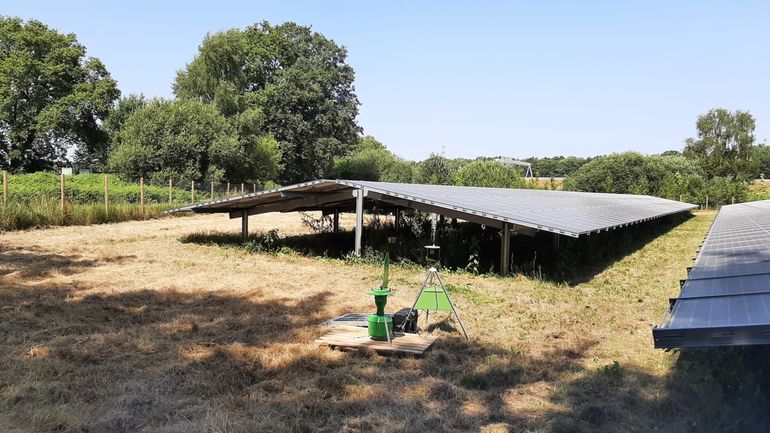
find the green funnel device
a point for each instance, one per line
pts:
(381, 324)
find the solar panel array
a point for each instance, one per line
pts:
(563, 212)
(726, 297)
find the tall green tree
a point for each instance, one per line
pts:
(121, 111)
(634, 173)
(295, 79)
(371, 160)
(52, 98)
(191, 140)
(489, 173)
(724, 142)
(761, 158)
(435, 169)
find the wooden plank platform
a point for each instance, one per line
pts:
(353, 337)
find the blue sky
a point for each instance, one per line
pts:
(477, 78)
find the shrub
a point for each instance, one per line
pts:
(488, 173)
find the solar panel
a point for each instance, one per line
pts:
(563, 212)
(725, 300)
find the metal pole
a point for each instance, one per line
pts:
(63, 201)
(397, 222)
(505, 244)
(170, 191)
(106, 195)
(245, 225)
(359, 194)
(242, 189)
(141, 195)
(192, 192)
(212, 190)
(5, 187)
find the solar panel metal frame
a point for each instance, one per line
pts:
(562, 212)
(725, 300)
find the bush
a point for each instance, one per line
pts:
(488, 173)
(189, 140)
(372, 161)
(434, 170)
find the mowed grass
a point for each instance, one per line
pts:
(123, 327)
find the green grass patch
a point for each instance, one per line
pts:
(43, 213)
(470, 294)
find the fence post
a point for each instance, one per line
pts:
(241, 189)
(5, 187)
(170, 191)
(141, 195)
(228, 189)
(192, 192)
(106, 195)
(707, 202)
(63, 200)
(212, 190)
(255, 187)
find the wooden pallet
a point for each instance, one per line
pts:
(353, 337)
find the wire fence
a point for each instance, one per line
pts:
(82, 189)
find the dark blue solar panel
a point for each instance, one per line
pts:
(726, 297)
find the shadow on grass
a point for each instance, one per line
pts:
(173, 361)
(714, 390)
(573, 261)
(583, 258)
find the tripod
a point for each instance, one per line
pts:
(433, 296)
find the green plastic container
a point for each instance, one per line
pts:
(380, 324)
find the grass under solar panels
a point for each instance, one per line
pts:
(725, 300)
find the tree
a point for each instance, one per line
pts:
(372, 161)
(634, 173)
(557, 166)
(761, 158)
(121, 111)
(724, 143)
(295, 78)
(490, 174)
(617, 172)
(52, 97)
(190, 140)
(434, 170)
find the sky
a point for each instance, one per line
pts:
(477, 78)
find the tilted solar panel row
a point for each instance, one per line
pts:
(725, 300)
(562, 212)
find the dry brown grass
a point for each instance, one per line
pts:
(124, 328)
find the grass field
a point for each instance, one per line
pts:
(124, 328)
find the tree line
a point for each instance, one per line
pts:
(276, 104)
(255, 104)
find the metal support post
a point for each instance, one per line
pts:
(359, 194)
